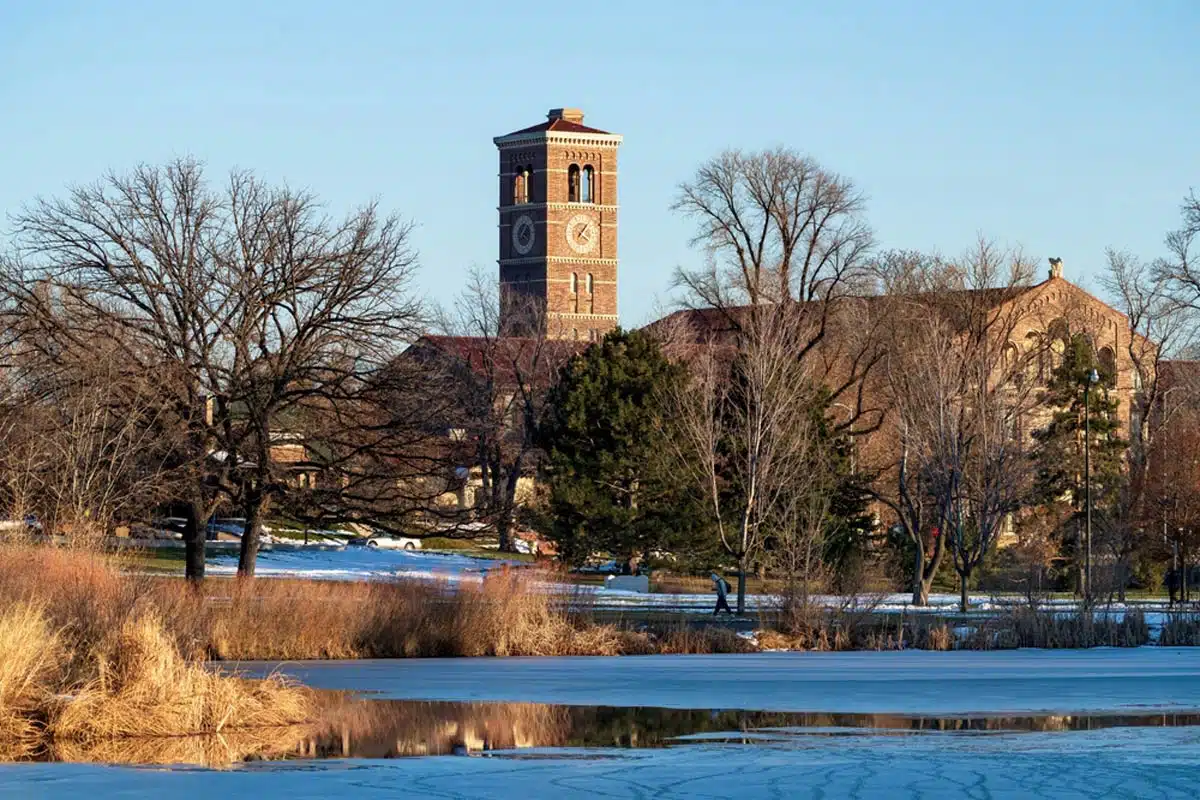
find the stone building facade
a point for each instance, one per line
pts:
(1044, 318)
(558, 228)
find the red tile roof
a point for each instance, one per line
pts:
(505, 357)
(557, 126)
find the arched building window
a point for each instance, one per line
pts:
(1035, 356)
(1059, 335)
(573, 183)
(1012, 364)
(574, 282)
(587, 185)
(1107, 362)
(588, 283)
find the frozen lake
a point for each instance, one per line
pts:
(1056, 724)
(1114, 763)
(910, 682)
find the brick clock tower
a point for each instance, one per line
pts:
(558, 228)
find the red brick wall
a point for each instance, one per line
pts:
(547, 269)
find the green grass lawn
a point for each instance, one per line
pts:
(165, 560)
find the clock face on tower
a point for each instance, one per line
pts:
(523, 234)
(583, 233)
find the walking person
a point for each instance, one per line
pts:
(722, 587)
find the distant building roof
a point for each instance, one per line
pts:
(705, 322)
(558, 120)
(503, 357)
(558, 126)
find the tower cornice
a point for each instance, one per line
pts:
(544, 137)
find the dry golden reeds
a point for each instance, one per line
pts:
(143, 687)
(1025, 626)
(62, 683)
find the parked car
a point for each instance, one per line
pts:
(154, 531)
(29, 524)
(595, 566)
(165, 528)
(234, 526)
(385, 541)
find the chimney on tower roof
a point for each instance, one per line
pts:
(1055, 268)
(568, 114)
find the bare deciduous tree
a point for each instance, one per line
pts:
(127, 262)
(777, 227)
(242, 307)
(502, 380)
(1161, 326)
(958, 385)
(748, 429)
(318, 307)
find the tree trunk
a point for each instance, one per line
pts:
(963, 577)
(249, 550)
(508, 505)
(193, 543)
(741, 604)
(920, 588)
(503, 532)
(1184, 594)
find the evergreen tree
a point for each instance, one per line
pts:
(611, 484)
(1059, 454)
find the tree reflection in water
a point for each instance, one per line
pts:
(359, 728)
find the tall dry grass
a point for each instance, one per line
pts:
(87, 654)
(143, 687)
(29, 657)
(1181, 629)
(133, 683)
(1027, 626)
(87, 600)
(509, 613)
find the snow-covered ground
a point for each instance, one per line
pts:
(359, 563)
(896, 682)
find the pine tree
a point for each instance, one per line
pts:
(1059, 454)
(611, 483)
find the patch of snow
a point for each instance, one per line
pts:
(361, 563)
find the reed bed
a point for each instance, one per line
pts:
(58, 690)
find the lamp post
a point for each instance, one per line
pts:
(1093, 377)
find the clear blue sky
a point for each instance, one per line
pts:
(1065, 127)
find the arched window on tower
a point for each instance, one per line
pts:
(574, 282)
(520, 188)
(587, 185)
(529, 198)
(588, 283)
(573, 183)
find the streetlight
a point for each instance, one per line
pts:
(1093, 377)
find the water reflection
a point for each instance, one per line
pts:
(355, 728)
